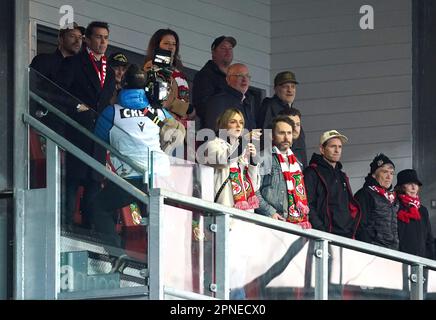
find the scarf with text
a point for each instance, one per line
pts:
(412, 212)
(390, 196)
(102, 72)
(298, 209)
(242, 188)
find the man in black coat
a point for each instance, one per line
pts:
(88, 79)
(379, 205)
(233, 96)
(211, 79)
(69, 44)
(285, 88)
(47, 65)
(332, 206)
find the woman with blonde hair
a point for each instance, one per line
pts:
(236, 174)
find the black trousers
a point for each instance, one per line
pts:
(104, 207)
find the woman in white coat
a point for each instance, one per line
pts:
(236, 174)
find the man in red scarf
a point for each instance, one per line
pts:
(91, 85)
(282, 194)
(379, 205)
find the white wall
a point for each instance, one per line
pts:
(356, 81)
(197, 23)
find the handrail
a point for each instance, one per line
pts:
(218, 209)
(86, 132)
(90, 161)
(6, 193)
(186, 294)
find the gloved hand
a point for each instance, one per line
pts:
(172, 135)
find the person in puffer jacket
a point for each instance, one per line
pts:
(134, 128)
(379, 205)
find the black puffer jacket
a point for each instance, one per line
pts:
(379, 217)
(325, 183)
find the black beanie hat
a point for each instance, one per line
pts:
(379, 161)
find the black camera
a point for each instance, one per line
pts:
(158, 85)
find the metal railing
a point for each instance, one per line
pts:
(160, 197)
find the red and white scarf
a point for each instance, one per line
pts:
(412, 204)
(390, 196)
(102, 72)
(244, 196)
(298, 209)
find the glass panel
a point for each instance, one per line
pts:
(89, 120)
(103, 239)
(267, 264)
(5, 209)
(188, 249)
(430, 284)
(355, 275)
(182, 176)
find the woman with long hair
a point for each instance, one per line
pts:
(178, 101)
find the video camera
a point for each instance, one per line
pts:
(158, 84)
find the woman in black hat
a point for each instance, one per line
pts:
(414, 230)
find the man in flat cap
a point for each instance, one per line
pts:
(332, 206)
(379, 205)
(285, 88)
(211, 79)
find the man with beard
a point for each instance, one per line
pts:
(282, 194)
(211, 79)
(86, 77)
(69, 44)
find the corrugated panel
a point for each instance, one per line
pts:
(197, 23)
(356, 81)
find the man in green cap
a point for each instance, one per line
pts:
(285, 88)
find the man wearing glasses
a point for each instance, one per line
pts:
(233, 96)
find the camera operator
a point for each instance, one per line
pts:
(178, 100)
(134, 128)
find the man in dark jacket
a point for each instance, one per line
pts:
(211, 79)
(379, 205)
(299, 148)
(69, 44)
(233, 96)
(47, 66)
(332, 206)
(92, 84)
(285, 88)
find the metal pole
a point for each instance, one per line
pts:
(417, 283)
(321, 269)
(155, 241)
(53, 220)
(20, 147)
(221, 257)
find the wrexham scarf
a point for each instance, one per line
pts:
(390, 196)
(102, 72)
(297, 200)
(242, 188)
(412, 204)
